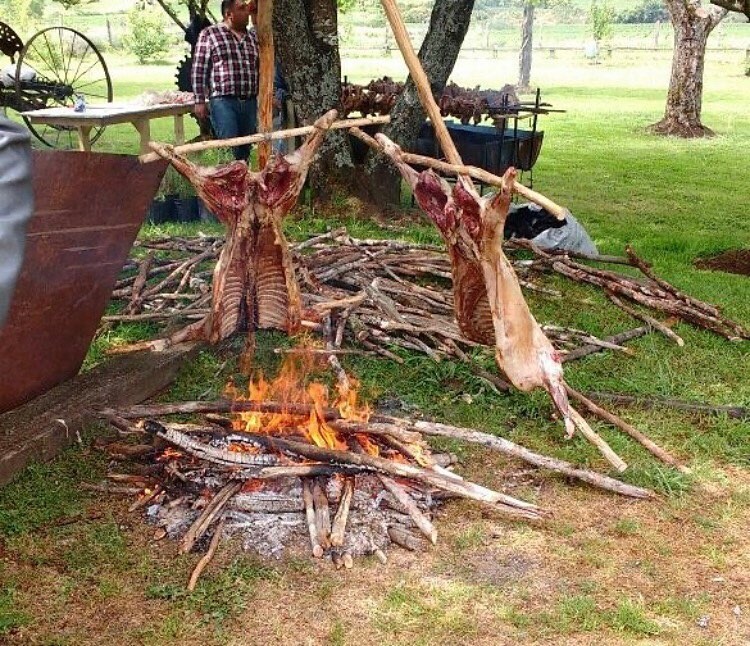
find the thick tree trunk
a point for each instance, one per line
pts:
(527, 43)
(692, 26)
(308, 51)
(448, 25)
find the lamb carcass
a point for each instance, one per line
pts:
(254, 284)
(490, 307)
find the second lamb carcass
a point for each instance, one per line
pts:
(254, 284)
(490, 307)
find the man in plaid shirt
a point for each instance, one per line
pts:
(225, 73)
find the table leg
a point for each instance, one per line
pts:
(143, 126)
(84, 138)
(179, 129)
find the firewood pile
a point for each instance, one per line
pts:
(383, 295)
(466, 104)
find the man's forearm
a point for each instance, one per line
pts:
(16, 205)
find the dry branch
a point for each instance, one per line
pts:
(630, 430)
(515, 450)
(207, 516)
(342, 513)
(206, 558)
(498, 501)
(312, 527)
(420, 520)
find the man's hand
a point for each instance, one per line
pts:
(201, 110)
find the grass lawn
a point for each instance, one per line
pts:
(76, 568)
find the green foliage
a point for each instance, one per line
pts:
(147, 38)
(22, 15)
(646, 12)
(601, 17)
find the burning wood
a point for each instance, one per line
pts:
(274, 471)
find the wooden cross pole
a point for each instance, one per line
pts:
(265, 91)
(420, 79)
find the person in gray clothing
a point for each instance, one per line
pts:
(16, 205)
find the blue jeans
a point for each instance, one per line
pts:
(233, 117)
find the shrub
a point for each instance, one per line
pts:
(647, 11)
(601, 17)
(147, 37)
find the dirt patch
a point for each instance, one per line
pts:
(735, 261)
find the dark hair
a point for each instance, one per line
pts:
(226, 5)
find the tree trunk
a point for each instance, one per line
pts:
(308, 52)
(692, 26)
(448, 25)
(527, 43)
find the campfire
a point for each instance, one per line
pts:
(291, 465)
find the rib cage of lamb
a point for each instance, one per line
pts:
(254, 286)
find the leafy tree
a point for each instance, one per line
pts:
(146, 37)
(601, 17)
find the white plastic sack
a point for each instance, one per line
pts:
(569, 237)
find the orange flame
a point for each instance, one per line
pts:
(289, 388)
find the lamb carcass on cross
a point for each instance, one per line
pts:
(254, 286)
(490, 307)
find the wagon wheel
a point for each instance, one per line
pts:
(63, 63)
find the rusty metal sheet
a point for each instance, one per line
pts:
(88, 209)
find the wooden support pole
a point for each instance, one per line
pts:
(269, 136)
(265, 91)
(560, 212)
(420, 80)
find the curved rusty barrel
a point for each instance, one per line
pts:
(88, 209)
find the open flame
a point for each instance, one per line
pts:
(289, 388)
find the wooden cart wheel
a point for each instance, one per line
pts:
(56, 64)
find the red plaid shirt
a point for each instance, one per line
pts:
(226, 61)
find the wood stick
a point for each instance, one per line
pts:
(650, 320)
(298, 471)
(154, 316)
(312, 528)
(140, 281)
(498, 501)
(520, 452)
(647, 271)
(617, 339)
(652, 401)
(342, 513)
(211, 454)
(420, 520)
(270, 136)
(341, 303)
(266, 77)
(207, 516)
(322, 514)
(404, 538)
(142, 502)
(218, 406)
(457, 168)
(206, 558)
(592, 436)
(420, 79)
(630, 430)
